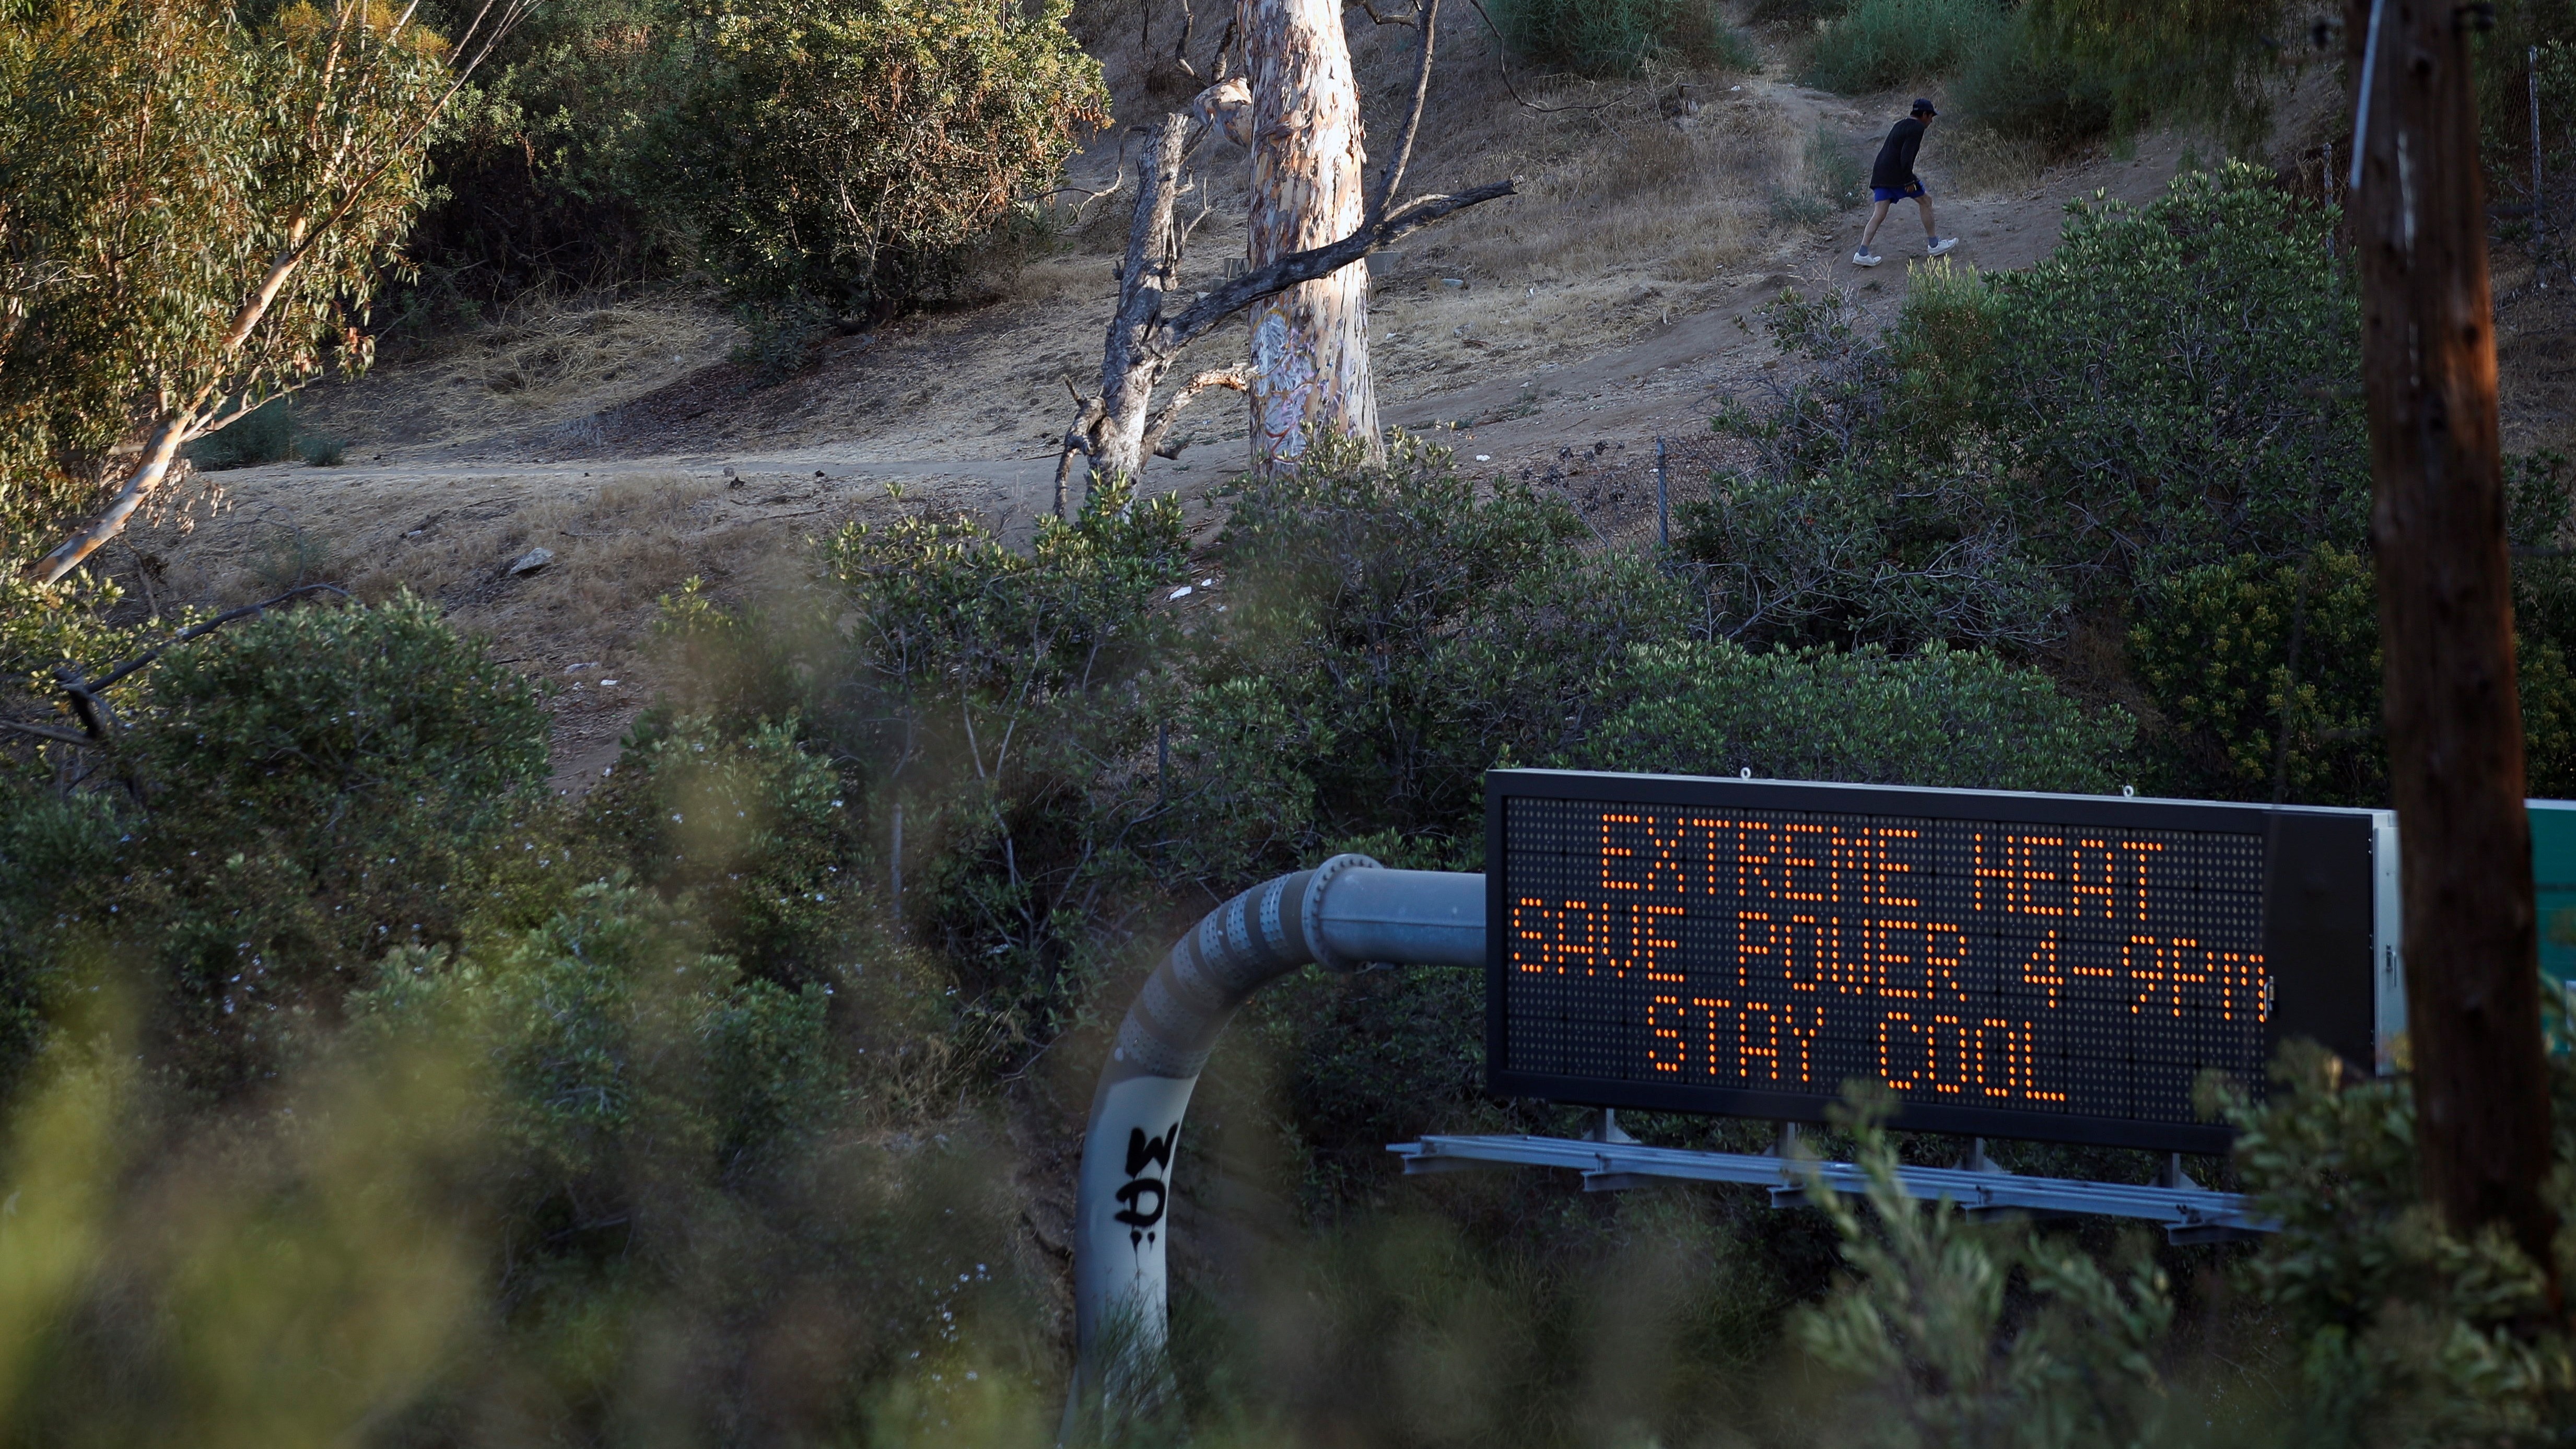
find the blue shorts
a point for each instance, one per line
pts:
(1897, 193)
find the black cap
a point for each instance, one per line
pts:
(1923, 107)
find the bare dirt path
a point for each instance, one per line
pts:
(623, 441)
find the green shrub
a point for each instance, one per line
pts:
(1006, 701)
(2217, 66)
(545, 179)
(847, 150)
(1943, 718)
(1862, 519)
(1878, 45)
(778, 339)
(2024, 85)
(1955, 1333)
(266, 434)
(1617, 37)
(2213, 651)
(321, 784)
(2540, 523)
(2175, 383)
(2405, 1332)
(1804, 13)
(754, 830)
(323, 451)
(616, 1043)
(1418, 627)
(58, 869)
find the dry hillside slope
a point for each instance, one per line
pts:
(1556, 335)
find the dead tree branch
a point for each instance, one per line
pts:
(1221, 377)
(1393, 180)
(1386, 19)
(65, 737)
(97, 715)
(1143, 343)
(1234, 296)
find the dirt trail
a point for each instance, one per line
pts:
(624, 442)
(933, 405)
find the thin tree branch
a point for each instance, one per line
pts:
(1384, 19)
(209, 626)
(1525, 104)
(1233, 296)
(1223, 377)
(1393, 180)
(65, 737)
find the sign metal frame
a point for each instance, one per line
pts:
(2329, 933)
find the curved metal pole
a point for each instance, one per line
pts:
(1342, 915)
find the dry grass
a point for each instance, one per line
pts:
(620, 543)
(1681, 204)
(549, 360)
(616, 550)
(1983, 161)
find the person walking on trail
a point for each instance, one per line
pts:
(1892, 179)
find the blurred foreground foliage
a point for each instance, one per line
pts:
(365, 1088)
(684, 1108)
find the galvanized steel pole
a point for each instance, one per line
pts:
(1342, 915)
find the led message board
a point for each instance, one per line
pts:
(2036, 966)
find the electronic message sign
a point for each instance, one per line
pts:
(2051, 967)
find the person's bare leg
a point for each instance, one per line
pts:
(1869, 233)
(1929, 234)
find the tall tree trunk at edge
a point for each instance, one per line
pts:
(1310, 361)
(2446, 626)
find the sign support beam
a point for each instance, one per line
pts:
(2190, 1214)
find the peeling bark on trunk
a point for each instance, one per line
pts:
(159, 454)
(1310, 360)
(1111, 430)
(1114, 432)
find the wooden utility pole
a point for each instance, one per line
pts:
(1310, 359)
(2446, 622)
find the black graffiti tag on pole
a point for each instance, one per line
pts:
(1143, 1152)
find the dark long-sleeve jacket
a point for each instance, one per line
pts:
(1894, 168)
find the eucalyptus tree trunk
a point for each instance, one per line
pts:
(1310, 361)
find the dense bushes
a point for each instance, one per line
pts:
(2149, 435)
(368, 1085)
(844, 150)
(696, 1065)
(1963, 720)
(2175, 379)
(835, 157)
(304, 790)
(1877, 45)
(1617, 37)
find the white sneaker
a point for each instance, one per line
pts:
(1866, 259)
(1938, 245)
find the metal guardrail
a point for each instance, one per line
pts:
(2190, 1214)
